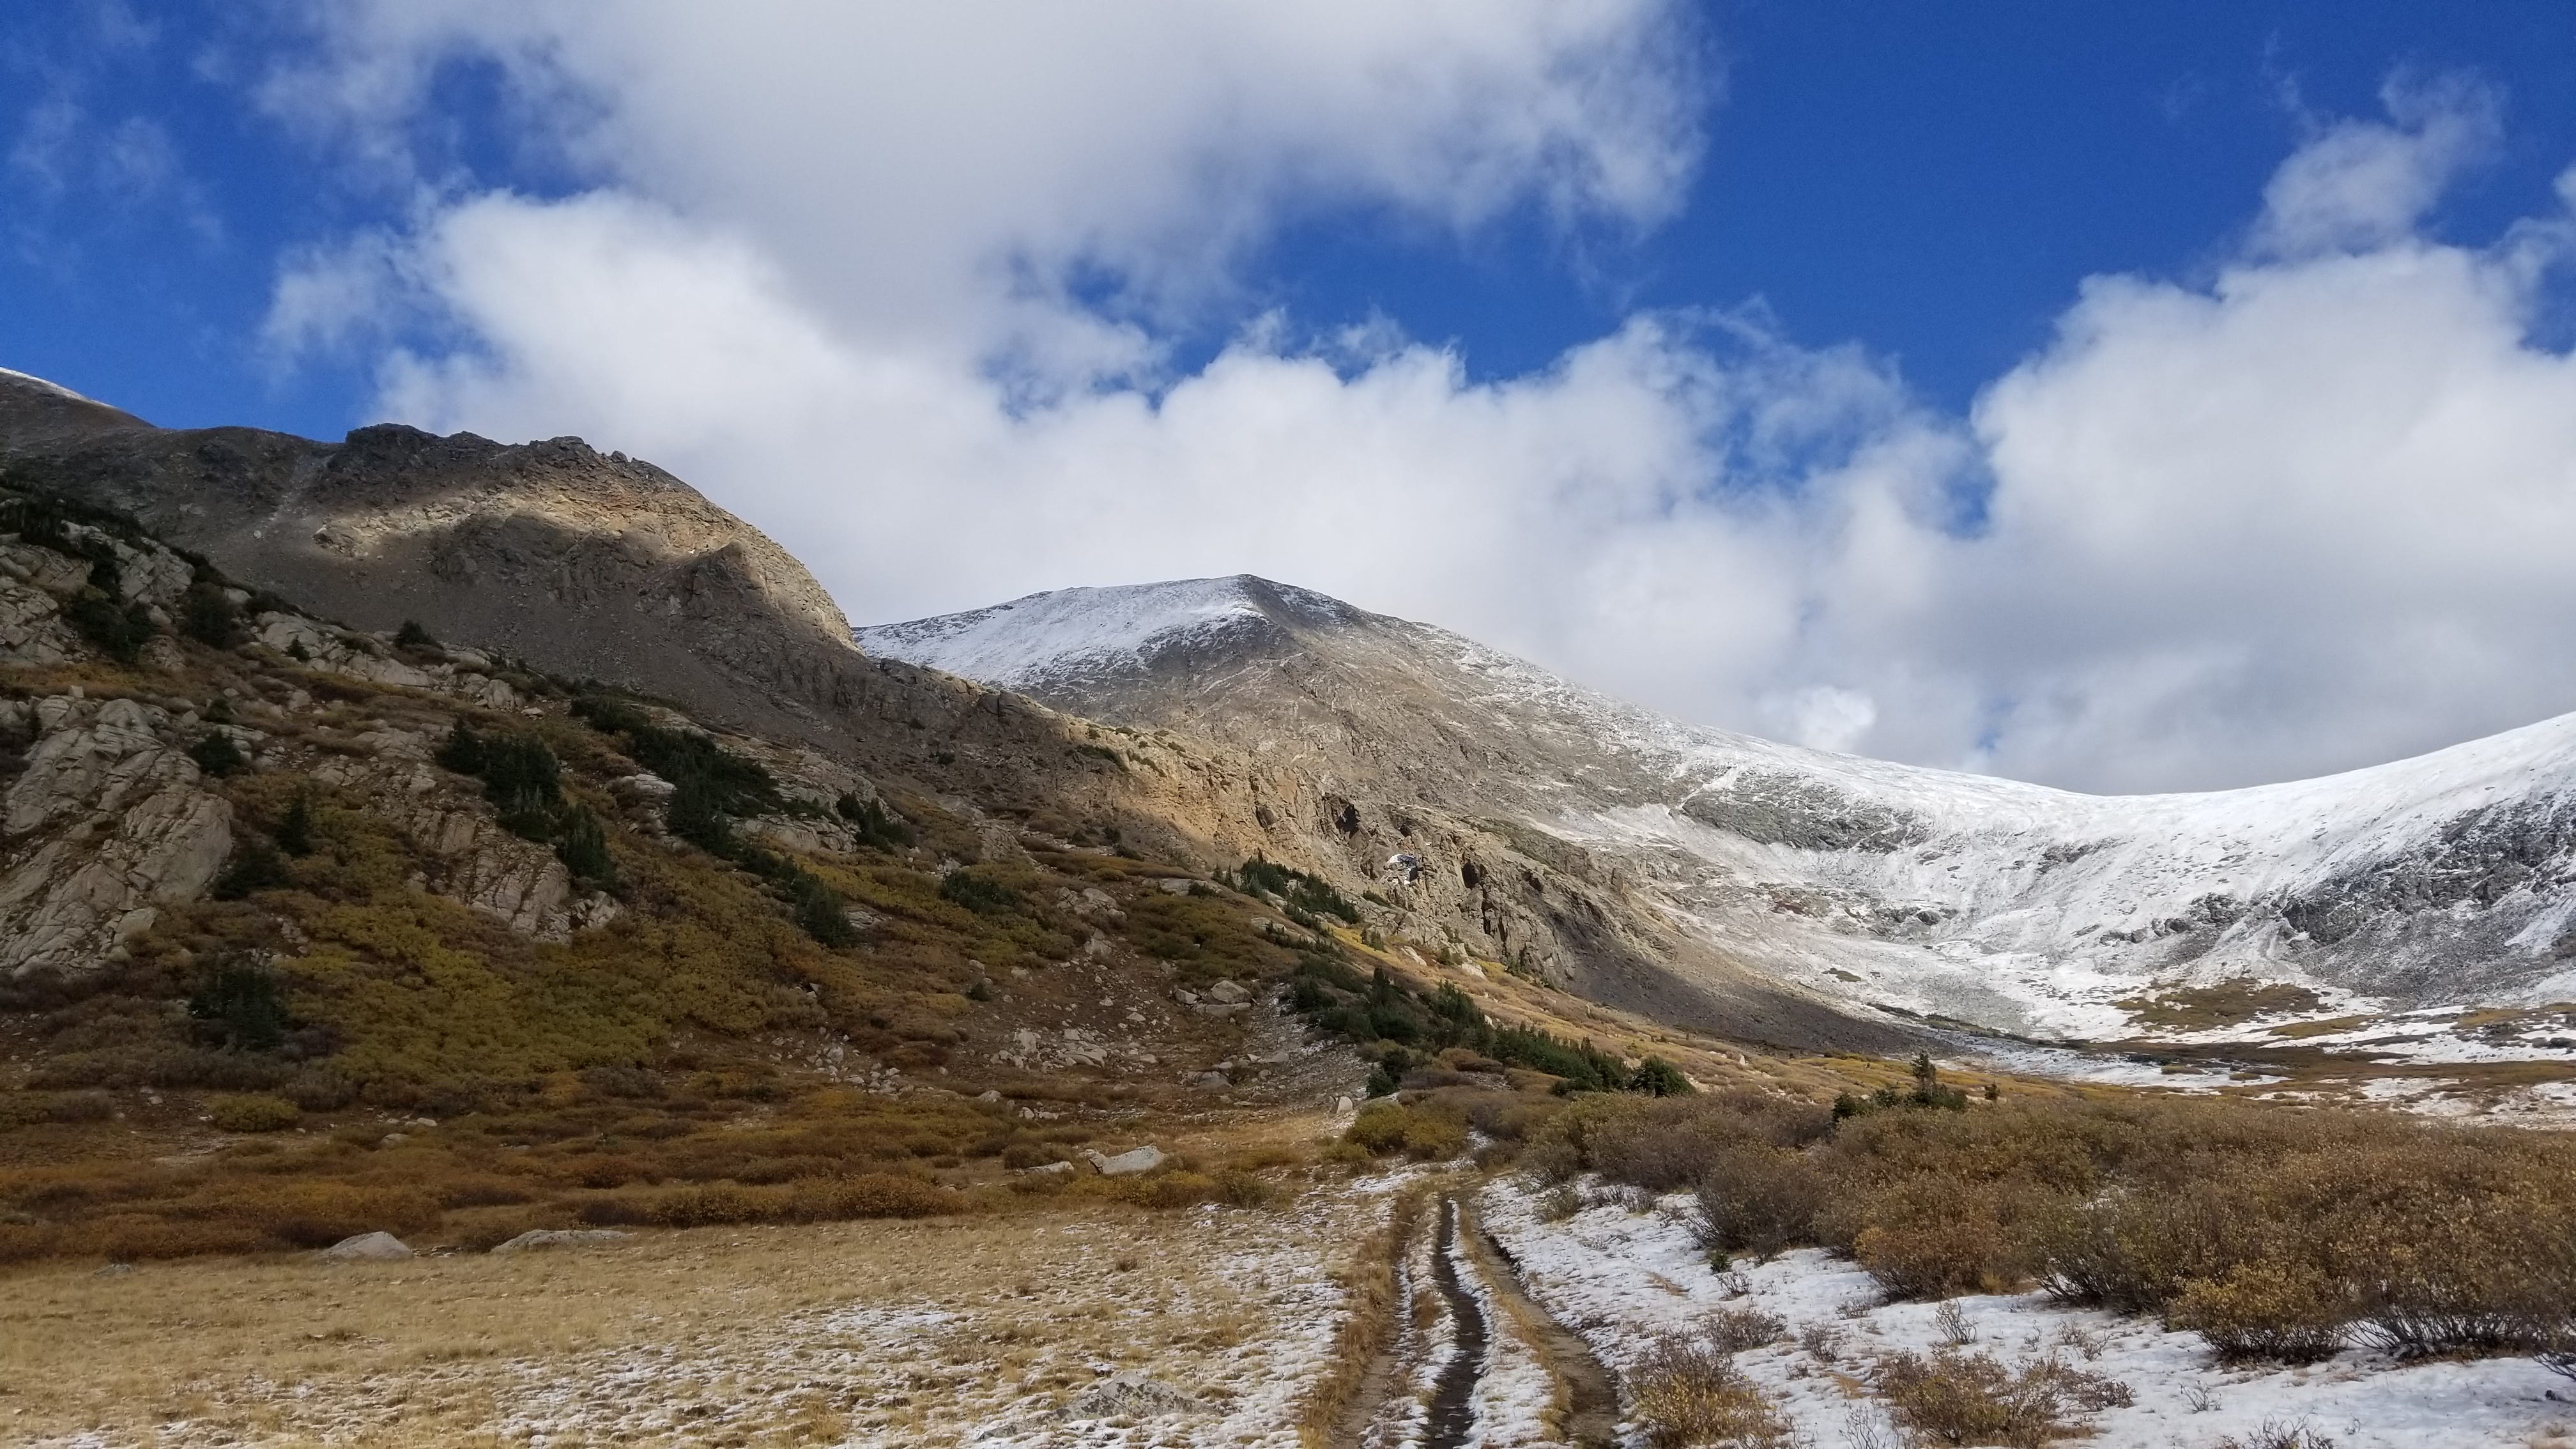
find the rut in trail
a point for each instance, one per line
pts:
(1453, 1409)
(1591, 1391)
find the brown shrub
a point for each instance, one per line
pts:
(1954, 1397)
(2278, 1434)
(1931, 1237)
(1734, 1330)
(2266, 1310)
(1691, 1393)
(1757, 1199)
(865, 1195)
(307, 1213)
(1429, 1132)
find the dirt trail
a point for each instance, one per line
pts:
(1587, 1413)
(1453, 1409)
(1591, 1390)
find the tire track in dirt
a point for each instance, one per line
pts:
(1591, 1390)
(1453, 1408)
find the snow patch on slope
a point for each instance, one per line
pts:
(1069, 635)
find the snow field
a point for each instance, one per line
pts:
(1619, 1278)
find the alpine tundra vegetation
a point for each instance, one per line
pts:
(1544, 724)
(1327, 961)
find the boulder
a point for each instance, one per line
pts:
(642, 787)
(1227, 993)
(1127, 1164)
(1217, 1081)
(535, 1239)
(366, 1248)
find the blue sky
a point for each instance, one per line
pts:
(1614, 332)
(1931, 181)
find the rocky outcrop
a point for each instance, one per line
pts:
(32, 628)
(372, 658)
(107, 825)
(37, 582)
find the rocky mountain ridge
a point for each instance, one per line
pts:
(595, 566)
(2444, 880)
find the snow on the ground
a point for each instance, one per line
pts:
(1619, 1278)
(1515, 1394)
(1425, 1342)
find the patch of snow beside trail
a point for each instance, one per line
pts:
(1619, 1278)
(1405, 1418)
(1513, 1398)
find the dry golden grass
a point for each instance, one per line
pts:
(1368, 1326)
(898, 1332)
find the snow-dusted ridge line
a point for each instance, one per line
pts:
(27, 379)
(2446, 878)
(1064, 634)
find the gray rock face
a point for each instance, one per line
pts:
(32, 630)
(106, 826)
(366, 1248)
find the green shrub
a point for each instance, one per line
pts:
(1297, 891)
(253, 1113)
(978, 893)
(877, 827)
(583, 849)
(1659, 1078)
(255, 866)
(239, 1002)
(217, 755)
(294, 832)
(119, 631)
(208, 615)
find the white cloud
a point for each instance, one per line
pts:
(2359, 184)
(2311, 514)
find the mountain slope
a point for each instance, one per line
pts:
(2447, 879)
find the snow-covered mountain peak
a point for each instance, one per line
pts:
(1065, 636)
(2446, 878)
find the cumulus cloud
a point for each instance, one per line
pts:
(895, 284)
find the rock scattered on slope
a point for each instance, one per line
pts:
(1131, 1396)
(536, 1239)
(1126, 1164)
(366, 1248)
